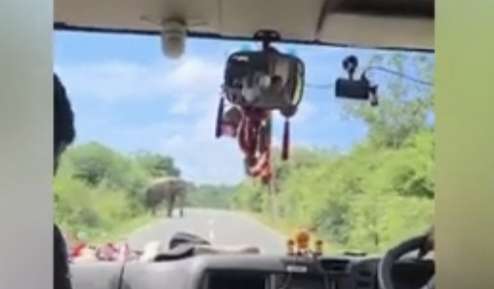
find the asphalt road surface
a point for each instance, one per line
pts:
(220, 227)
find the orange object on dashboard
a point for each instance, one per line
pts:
(302, 239)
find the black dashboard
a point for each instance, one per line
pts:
(249, 272)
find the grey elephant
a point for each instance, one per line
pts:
(171, 190)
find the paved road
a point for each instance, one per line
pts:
(218, 226)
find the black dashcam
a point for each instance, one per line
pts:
(357, 89)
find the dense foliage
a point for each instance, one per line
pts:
(379, 192)
(99, 191)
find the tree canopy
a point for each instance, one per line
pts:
(98, 190)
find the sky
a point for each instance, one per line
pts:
(128, 96)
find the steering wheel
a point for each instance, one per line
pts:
(384, 272)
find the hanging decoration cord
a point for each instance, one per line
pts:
(399, 74)
(319, 86)
(324, 86)
(286, 141)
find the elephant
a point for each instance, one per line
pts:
(171, 190)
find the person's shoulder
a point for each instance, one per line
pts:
(57, 233)
(61, 276)
(59, 243)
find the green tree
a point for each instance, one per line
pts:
(248, 196)
(92, 162)
(98, 165)
(403, 109)
(157, 165)
(98, 190)
(382, 220)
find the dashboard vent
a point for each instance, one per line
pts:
(364, 279)
(335, 266)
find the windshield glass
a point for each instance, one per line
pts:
(358, 177)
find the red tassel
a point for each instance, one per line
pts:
(219, 117)
(286, 141)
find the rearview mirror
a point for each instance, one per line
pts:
(267, 80)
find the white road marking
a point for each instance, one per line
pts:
(211, 234)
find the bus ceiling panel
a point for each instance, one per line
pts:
(137, 15)
(293, 19)
(365, 23)
(379, 31)
(413, 8)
